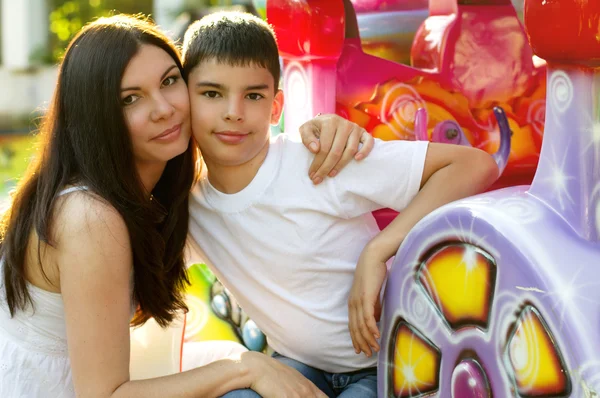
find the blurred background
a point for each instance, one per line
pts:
(33, 37)
(34, 34)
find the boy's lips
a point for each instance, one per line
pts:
(231, 137)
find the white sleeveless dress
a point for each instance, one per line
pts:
(34, 359)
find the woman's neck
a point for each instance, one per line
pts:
(150, 173)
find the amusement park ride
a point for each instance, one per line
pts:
(466, 58)
(497, 295)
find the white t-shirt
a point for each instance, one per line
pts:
(287, 249)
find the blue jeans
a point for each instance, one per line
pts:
(359, 384)
(245, 393)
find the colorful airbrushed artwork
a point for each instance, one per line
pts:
(497, 295)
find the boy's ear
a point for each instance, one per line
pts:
(277, 107)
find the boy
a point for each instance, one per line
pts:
(286, 249)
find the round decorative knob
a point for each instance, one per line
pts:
(253, 337)
(470, 381)
(564, 31)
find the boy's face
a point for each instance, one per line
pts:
(232, 108)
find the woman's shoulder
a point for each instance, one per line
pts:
(84, 229)
(82, 213)
(91, 238)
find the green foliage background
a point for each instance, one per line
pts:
(67, 17)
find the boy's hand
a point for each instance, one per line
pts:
(335, 141)
(364, 305)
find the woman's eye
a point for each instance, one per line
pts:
(255, 96)
(130, 99)
(169, 81)
(211, 94)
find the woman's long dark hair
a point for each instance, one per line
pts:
(85, 141)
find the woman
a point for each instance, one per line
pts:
(93, 241)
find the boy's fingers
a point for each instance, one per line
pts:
(326, 137)
(369, 313)
(352, 327)
(327, 133)
(309, 132)
(371, 326)
(365, 329)
(333, 152)
(316, 164)
(350, 152)
(368, 142)
(354, 342)
(360, 337)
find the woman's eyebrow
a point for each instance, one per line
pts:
(169, 69)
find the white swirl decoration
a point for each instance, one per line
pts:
(416, 307)
(197, 317)
(561, 91)
(588, 376)
(536, 115)
(297, 85)
(525, 354)
(298, 96)
(521, 210)
(402, 108)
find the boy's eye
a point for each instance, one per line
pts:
(130, 99)
(255, 96)
(169, 81)
(211, 94)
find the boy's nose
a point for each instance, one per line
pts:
(234, 113)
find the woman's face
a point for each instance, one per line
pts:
(156, 106)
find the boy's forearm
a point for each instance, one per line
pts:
(455, 181)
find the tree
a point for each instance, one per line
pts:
(67, 17)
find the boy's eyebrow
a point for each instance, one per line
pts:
(169, 69)
(209, 84)
(258, 87)
(221, 87)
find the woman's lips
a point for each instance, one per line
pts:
(169, 135)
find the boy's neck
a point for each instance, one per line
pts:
(233, 179)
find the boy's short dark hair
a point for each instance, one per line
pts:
(234, 38)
